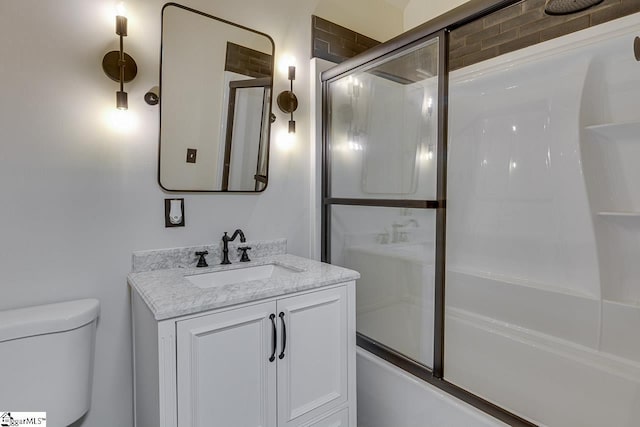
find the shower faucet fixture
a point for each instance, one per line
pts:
(566, 7)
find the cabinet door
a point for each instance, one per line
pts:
(312, 365)
(339, 419)
(225, 377)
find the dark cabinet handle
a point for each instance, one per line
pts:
(284, 335)
(274, 337)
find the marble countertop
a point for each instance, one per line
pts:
(169, 294)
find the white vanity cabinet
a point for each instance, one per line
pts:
(224, 376)
(280, 362)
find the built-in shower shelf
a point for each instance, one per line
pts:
(619, 214)
(615, 131)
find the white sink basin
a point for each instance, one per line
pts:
(240, 275)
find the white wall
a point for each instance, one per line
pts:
(420, 11)
(80, 196)
(378, 19)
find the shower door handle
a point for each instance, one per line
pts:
(284, 336)
(274, 337)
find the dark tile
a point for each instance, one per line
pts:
(526, 18)
(455, 35)
(630, 6)
(533, 4)
(605, 4)
(366, 41)
(342, 31)
(615, 11)
(243, 60)
(480, 56)
(500, 38)
(338, 50)
(519, 43)
(481, 35)
(541, 24)
(331, 41)
(320, 47)
(455, 64)
(565, 28)
(466, 50)
(465, 30)
(607, 14)
(328, 37)
(456, 44)
(502, 15)
(321, 24)
(351, 44)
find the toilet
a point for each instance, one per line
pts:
(46, 359)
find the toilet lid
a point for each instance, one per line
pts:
(46, 319)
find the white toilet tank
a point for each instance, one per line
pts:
(46, 359)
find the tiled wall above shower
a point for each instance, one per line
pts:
(525, 24)
(335, 43)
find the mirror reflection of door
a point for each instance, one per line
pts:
(245, 156)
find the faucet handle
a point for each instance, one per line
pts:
(244, 257)
(202, 262)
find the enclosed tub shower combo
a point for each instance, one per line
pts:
(526, 166)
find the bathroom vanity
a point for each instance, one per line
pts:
(266, 343)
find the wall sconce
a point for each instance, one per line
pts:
(119, 66)
(287, 100)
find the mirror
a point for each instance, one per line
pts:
(216, 80)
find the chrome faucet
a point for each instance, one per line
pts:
(225, 244)
(401, 236)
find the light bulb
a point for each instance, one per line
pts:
(121, 121)
(285, 140)
(285, 62)
(121, 9)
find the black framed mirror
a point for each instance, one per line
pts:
(216, 81)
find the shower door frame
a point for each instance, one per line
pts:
(439, 28)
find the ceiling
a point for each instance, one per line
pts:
(400, 4)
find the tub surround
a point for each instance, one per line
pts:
(542, 252)
(169, 294)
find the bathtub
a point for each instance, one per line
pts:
(556, 358)
(389, 397)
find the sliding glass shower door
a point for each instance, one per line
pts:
(383, 192)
